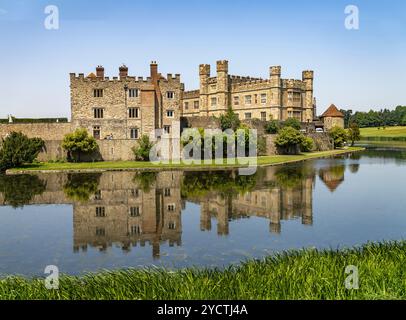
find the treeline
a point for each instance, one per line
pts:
(381, 118)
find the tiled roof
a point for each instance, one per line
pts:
(332, 111)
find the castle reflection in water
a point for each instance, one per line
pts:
(133, 209)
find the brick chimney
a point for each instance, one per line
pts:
(154, 71)
(123, 71)
(100, 72)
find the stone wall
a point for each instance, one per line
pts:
(46, 131)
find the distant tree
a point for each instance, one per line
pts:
(347, 117)
(290, 140)
(143, 148)
(339, 136)
(354, 133)
(272, 127)
(229, 120)
(17, 149)
(292, 122)
(77, 143)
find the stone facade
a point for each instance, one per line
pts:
(266, 99)
(332, 117)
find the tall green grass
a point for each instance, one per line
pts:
(308, 274)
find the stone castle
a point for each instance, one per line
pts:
(117, 111)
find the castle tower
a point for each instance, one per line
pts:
(204, 75)
(276, 92)
(222, 84)
(100, 72)
(307, 78)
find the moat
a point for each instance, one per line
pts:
(88, 222)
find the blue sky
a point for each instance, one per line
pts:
(358, 69)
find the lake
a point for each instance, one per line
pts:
(90, 222)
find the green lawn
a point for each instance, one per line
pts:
(308, 274)
(388, 132)
(127, 165)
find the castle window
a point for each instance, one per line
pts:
(96, 132)
(236, 100)
(170, 94)
(133, 112)
(98, 93)
(171, 207)
(135, 211)
(135, 229)
(248, 99)
(186, 105)
(263, 116)
(98, 113)
(256, 98)
(263, 98)
(196, 104)
(133, 93)
(248, 115)
(98, 195)
(167, 192)
(135, 193)
(133, 133)
(100, 212)
(101, 232)
(169, 113)
(213, 101)
(171, 225)
(167, 129)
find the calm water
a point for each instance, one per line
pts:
(176, 219)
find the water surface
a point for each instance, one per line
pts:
(88, 222)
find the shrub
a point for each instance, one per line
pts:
(229, 120)
(142, 150)
(290, 140)
(307, 144)
(339, 136)
(77, 143)
(272, 127)
(17, 149)
(292, 122)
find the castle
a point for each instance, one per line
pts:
(117, 111)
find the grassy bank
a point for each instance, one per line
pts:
(137, 165)
(384, 134)
(308, 274)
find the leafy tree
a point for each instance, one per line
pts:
(145, 180)
(290, 140)
(17, 149)
(292, 122)
(307, 144)
(272, 127)
(80, 187)
(19, 190)
(347, 117)
(77, 143)
(339, 136)
(354, 133)
(142, 150)
(229, 120)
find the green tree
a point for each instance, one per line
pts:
(77, 143)
(339, 136)
(17, 149)
(229, 120)
(307, 144)
(289, 140)
(80, 186)
(292, 122)
(354, 133)
(272, 127)
(143, 148)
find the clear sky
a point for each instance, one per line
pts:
(358, 69)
